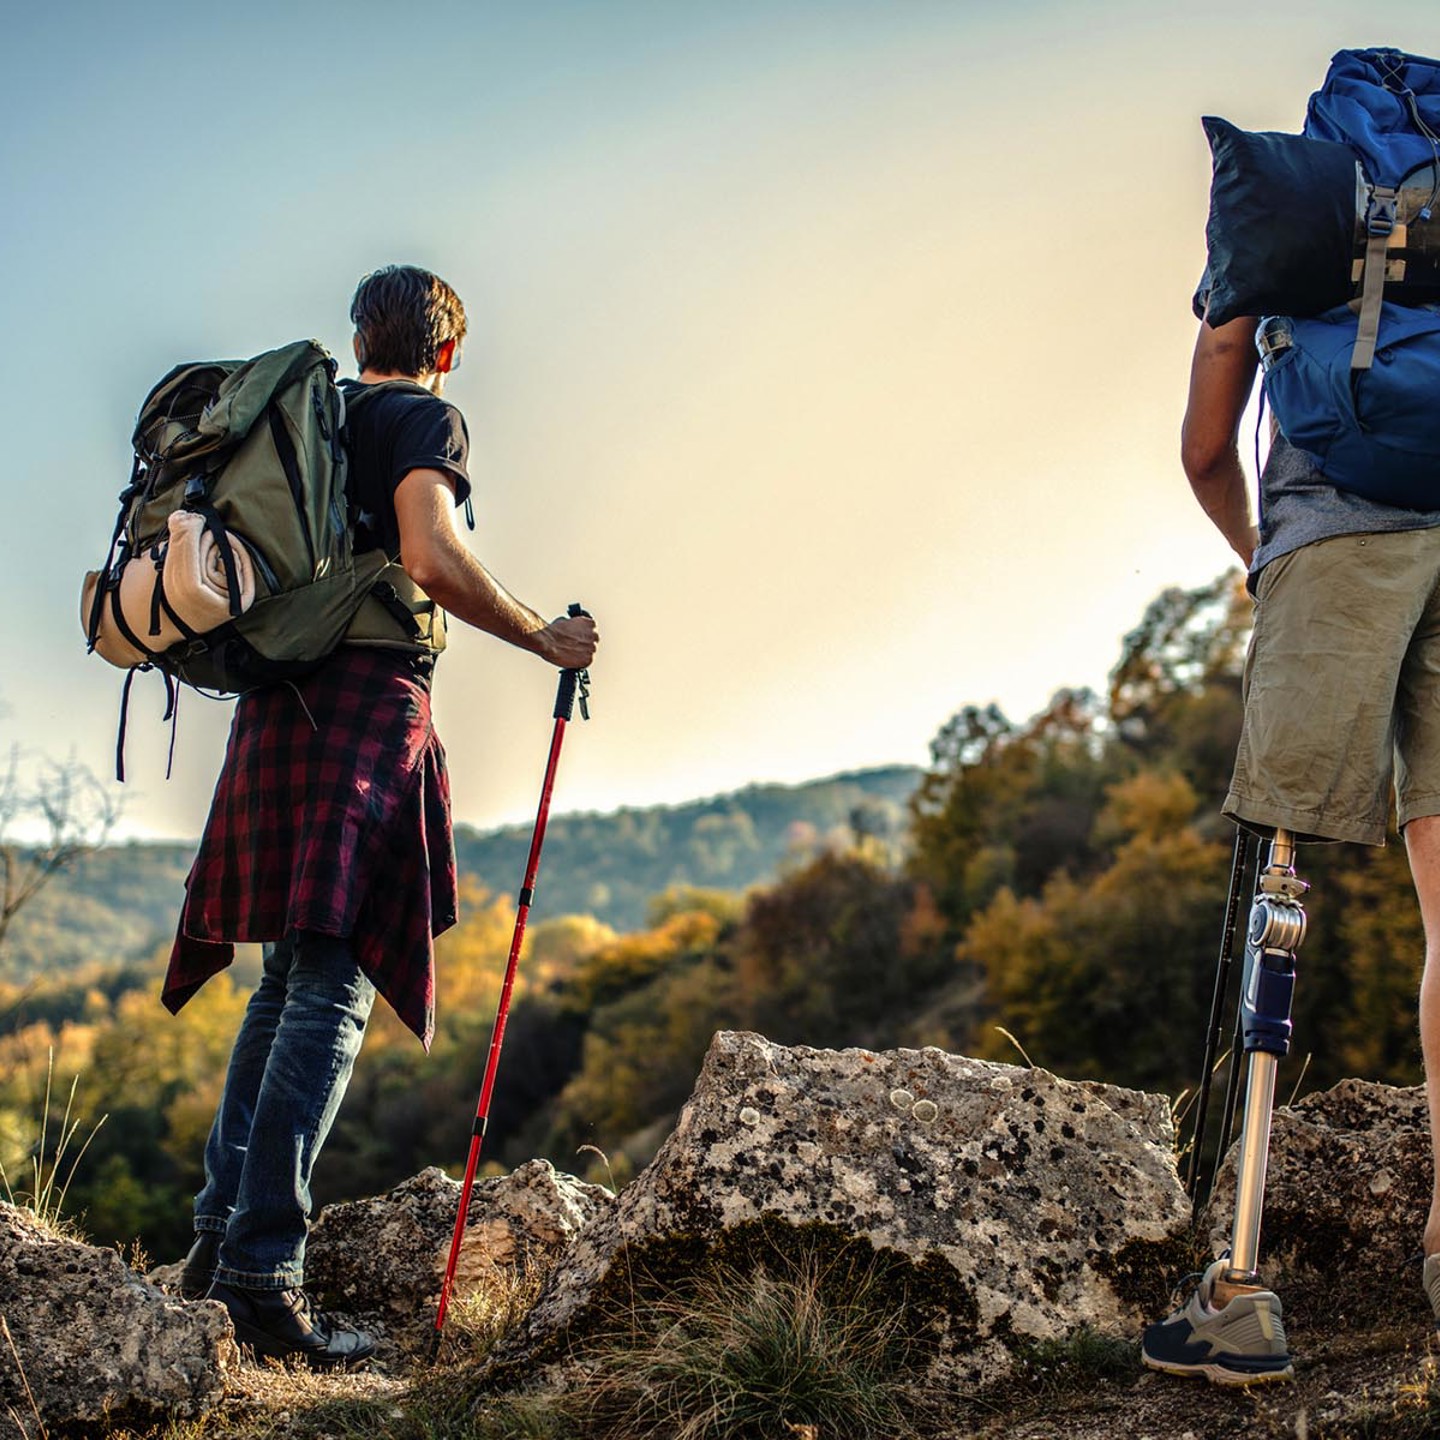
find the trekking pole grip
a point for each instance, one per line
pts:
(565, 696)
(570, 679)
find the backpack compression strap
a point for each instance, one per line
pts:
(1379, 226)
(195, 500)
(117, 614)
(102, 584)
(161, 601)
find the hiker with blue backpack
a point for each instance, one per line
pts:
(1323, 275)
(292, 540)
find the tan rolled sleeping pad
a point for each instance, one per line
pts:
(195, 587)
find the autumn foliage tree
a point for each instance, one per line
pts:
(820, 957)
(1098, 980)
(1080, 862)
(1059, 896)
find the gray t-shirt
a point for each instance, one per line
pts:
(1298, 506)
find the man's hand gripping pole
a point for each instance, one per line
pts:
(574, 684)
(1277, 928)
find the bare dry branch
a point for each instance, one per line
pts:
(67, 811)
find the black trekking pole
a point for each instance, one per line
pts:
(573, 684)
(1223, 966)
(1232, 1080)
(1237, 1047)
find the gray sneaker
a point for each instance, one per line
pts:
(1240, 1343)
(1432, 1284)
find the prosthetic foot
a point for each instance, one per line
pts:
(1231, 1330)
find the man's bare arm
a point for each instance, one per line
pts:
(1222, 375)
(437, 560)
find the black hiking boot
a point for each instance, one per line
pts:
(282, 1323)
(199, 1272)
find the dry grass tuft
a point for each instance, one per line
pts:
(789, 1347)
(45, 1199)
(477, 1320)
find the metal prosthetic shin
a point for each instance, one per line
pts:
(1277, 926)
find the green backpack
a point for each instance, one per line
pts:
(232, 564)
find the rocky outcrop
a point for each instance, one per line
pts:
(381, 1262)
(1021, 1203)
(1346, 1194)
(995, 1205)
(90, 1342)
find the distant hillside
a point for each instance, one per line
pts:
(116, 904)
(122, 902)
(612, 865)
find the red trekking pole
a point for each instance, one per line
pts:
(571, 681)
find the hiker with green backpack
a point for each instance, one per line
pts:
(1324, 273)
(293, 540)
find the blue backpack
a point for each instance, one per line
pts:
(1358, 385)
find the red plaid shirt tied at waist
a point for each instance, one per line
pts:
(332, 813)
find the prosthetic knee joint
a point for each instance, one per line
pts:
(1277, 926)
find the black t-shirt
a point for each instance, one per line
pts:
(393, 428)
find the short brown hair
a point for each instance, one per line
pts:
(403, 315)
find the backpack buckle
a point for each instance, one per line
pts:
(1380, 212)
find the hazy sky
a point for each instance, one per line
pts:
(832, 353)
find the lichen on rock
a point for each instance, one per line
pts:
(1347, 1189)
(95, 1344)
(1007, 1191)
(380, 1262)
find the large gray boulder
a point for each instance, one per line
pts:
(93, 1343)
(1020, 1204)
(380, 1262)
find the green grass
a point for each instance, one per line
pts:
(1078, 1362)
(787, 1344)
(786, 1349)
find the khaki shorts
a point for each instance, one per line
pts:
(1343, 674)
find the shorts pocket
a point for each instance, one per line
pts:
(1271, 575)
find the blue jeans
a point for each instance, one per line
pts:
(288, 1072)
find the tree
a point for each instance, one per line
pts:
(1109, 980)
(1381, 952)
(820, 956)
(1189, 642)
(69, 813)
(653, 1002)
(1006, 805)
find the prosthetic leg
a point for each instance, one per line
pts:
(1277, 926)
(1231, 1330)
